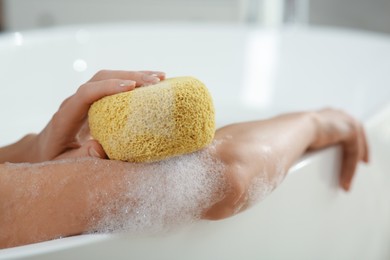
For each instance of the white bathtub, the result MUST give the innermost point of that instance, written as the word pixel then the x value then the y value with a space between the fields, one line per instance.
pixel 252 74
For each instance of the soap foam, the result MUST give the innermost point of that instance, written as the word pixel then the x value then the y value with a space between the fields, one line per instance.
pixel 165 195
pixel 175 192
pixel 268 179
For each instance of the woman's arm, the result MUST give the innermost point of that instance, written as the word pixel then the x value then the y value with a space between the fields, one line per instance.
pixel 54 199
pixel 44 201
pixel 48 200
pixel 20 151
pixel 263 151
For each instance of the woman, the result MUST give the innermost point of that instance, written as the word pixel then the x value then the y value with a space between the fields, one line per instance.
pixel 66 195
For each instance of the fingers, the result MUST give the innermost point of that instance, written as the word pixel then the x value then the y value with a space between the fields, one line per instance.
pixel 349 163
pixel 72 113
pixel 74 110
pixel 159 74
pixel 64 128
pixel 66 123
pixel 337 127
pixel 93 91
pixel 90 148
pixel 104 83
pixel 366 152
pixel 141 78
pixel 84 133
pixel 355 149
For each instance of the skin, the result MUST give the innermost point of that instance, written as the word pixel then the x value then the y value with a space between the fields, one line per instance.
pixel 39 202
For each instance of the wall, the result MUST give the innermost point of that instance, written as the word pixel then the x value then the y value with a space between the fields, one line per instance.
pixel 22 15
pixel 371 15
pixel 356 14
pixel 1 16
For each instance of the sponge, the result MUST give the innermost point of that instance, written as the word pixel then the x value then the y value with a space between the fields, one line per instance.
pixel 151 123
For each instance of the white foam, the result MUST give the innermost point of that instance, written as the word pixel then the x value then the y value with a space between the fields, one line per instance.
pixel 268 179
pixel 165 195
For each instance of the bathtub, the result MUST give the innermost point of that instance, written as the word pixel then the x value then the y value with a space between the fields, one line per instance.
pixel 252 73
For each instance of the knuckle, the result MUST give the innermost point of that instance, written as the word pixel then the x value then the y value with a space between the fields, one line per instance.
pixel 56 120
pixel 112 83
pixel 83 90
pixel 101 73
pixel 65 102
pixel 133 75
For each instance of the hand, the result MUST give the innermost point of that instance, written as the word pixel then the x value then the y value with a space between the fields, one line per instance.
pixel 67 134
pixel 337 127
pixel 258 150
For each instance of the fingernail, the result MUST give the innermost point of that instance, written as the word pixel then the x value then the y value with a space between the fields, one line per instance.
pixel 346 186
pixel 127 84
pixel 151 78
pixel 93 153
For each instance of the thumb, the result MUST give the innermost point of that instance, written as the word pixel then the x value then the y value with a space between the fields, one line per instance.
pixel 90 148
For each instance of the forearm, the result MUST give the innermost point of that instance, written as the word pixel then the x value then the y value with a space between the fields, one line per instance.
pixel 284 137
pixel 61 198
pixel 42 201
pixel 20 151
pixel 257 156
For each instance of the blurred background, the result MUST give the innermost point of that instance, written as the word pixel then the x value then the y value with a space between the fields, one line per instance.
pixel 373 15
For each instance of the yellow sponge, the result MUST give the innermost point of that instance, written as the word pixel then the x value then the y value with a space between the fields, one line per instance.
pixel 173 117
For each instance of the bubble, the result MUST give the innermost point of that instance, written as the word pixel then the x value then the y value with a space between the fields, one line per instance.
pixel 165 195
pixel 267 179
pixel 259 189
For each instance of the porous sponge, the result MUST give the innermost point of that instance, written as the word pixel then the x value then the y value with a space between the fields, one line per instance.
pixel 173 117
